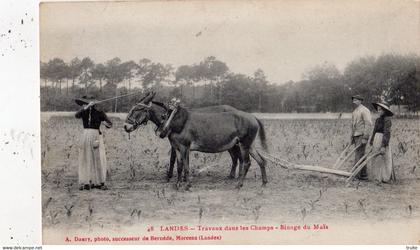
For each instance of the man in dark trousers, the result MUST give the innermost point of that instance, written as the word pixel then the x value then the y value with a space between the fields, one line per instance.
pixel 360 130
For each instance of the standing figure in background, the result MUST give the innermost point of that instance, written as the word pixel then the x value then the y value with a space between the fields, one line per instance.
pixel 92 158
pixel 361 126
pixel 382 165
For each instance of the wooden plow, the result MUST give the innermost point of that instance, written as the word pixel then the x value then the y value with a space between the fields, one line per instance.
pixel 344 156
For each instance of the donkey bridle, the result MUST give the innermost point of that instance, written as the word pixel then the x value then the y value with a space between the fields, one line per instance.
pixel 134 121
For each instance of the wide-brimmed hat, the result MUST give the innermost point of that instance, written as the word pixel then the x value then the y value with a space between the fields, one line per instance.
pixel 358 97
pixel 383 105
pixel 84 100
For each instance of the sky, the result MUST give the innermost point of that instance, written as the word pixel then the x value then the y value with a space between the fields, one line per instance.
pixel 283 38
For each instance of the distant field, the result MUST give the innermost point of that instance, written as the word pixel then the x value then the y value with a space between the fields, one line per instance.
pixel 137 169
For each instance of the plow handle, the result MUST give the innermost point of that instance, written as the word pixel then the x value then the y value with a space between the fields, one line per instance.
pixel 347 157
pixel 362 163
pixel 341 155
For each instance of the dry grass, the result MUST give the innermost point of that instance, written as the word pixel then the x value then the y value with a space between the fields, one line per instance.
pixel 140 195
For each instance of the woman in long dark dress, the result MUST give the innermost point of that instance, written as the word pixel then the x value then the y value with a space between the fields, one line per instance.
pixel 92 158
pixel 382 165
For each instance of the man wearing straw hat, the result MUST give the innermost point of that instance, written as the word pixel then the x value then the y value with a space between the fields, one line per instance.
pixel 92 159
pixel 361 126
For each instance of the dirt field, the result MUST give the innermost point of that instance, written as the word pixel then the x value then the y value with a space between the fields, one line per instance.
pixel 139 194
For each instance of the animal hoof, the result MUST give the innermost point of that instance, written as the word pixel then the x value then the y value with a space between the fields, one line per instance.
pixel 231 177
pixel 239 186
pixel 177 185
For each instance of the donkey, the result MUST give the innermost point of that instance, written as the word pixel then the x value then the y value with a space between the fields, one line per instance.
pixel 212 133
pixel 156 112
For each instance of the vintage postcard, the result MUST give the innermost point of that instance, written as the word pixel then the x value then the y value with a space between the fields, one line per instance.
pixel 230 122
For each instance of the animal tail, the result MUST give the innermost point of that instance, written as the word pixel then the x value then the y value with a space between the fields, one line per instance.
pixel 261 133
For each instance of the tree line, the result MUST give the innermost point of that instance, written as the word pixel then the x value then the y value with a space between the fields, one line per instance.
pixel 323 88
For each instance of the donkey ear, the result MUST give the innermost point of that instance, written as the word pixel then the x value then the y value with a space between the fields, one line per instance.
pixel 143 98
pixel 149 97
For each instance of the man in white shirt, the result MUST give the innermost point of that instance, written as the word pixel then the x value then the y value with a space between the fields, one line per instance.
pixel 360 130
